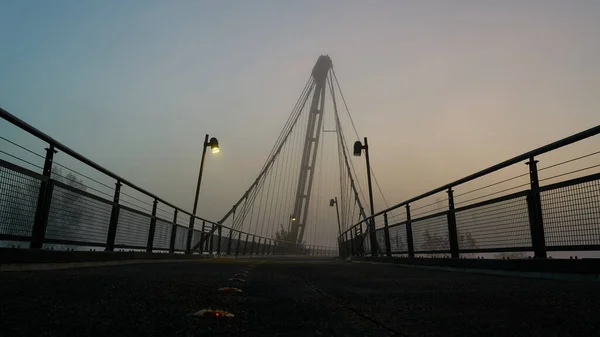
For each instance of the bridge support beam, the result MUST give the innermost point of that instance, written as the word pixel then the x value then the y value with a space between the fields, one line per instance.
pixel 245 244
pixel 386 233
pixel 38 232
pixel 114 219
pixel 409 233
pixel 452 230
pixel 311 146
pixel 237 245
pixel 220 230
pixel 534 205
pixel 211 238
pixel 152 228
pixel 229 238
pixel 173 233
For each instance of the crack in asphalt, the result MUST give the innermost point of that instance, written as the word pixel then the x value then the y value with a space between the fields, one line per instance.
pixel 358 313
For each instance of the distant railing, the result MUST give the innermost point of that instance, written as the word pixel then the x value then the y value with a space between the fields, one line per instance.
pixel 48 210
pixel 562 216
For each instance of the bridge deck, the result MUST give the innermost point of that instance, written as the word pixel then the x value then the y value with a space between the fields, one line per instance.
pixel 292 297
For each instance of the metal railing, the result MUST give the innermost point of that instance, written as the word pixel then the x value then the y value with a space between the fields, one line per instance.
pixel 563 216
pixel 48 210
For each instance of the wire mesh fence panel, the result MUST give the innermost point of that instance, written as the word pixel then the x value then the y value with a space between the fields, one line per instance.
pixel 75 216
pixel 234 243
pixel 503 224
pixel 431 234
pixel 18 201
pixel 196 237
pixel 257 248
pixel 571 214
pixel 380 235
pixel 225 240
pixel 366 243
pixel 162 234
pixel 215 238
pixel 132 228
pixel 181 238
pixel 398 242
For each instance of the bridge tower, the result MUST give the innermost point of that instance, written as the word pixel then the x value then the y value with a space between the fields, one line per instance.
pixel 311 145
pixel 269 212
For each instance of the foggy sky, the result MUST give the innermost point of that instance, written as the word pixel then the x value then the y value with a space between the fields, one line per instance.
pixel 441 88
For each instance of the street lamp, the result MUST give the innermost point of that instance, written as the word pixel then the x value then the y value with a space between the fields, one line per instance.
pixel 292 219
pixel 333 202
pixel 358 147
pixel 213 143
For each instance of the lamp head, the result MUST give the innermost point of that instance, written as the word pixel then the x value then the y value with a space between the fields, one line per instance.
pixel 214 145
pixel 357 148
pixel 331 202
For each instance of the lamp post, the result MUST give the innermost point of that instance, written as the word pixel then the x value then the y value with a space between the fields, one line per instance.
pixel 214 147
pixel 358 147
pixel 292 219
pixel 337 210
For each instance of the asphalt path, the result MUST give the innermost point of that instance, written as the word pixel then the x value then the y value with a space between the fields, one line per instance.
pixel 291 297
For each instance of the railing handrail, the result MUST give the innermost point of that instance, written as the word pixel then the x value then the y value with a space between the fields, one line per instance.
pixel 536 152
pixel 58 145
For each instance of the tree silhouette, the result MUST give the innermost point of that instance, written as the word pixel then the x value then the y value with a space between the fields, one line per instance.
pixel 434 242
pixel 64 220
pixel 18 204
pixel 397 243
pixel 284 240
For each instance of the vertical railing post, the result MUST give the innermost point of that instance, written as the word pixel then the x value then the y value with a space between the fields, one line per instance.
pixel 252 246
pixel 229 238
pixel 347 245
pixel 204 237
pixel 386 232
pixel 152 228
pixel 534 205
pixel 409 233
pixel 38 232
pixel 237 245
pixel 452 230
pixel 352 242
pixel 264 247
pixel 361 241
pixel 173 233
pixel 245 243
pixel 114 219
pixel 188 245
pixel 270 252
pixel 212 238
pixel 219 241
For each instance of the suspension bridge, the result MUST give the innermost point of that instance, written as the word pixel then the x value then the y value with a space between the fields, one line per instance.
pixel 285 244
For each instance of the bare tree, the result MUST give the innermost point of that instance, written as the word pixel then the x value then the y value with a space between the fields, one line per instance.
pixel 67 208
pixel 435 242
pixel 283 239
pixel 18 204
pixel 398 243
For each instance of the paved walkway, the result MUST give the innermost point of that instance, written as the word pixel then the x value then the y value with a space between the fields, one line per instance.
pixel 291 297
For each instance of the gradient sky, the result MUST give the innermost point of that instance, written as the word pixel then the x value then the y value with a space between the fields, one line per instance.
pixel 441 88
